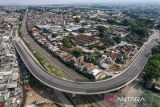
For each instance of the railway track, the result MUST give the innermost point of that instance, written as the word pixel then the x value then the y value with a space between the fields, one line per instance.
pixel 92 100
pixel 70 73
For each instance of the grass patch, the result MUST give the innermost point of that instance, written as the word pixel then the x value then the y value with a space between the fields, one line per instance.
pixel 9 100
pixel 151 100
pixel 157 83
pixel 45 63
pixel 48 66
pixel 40 58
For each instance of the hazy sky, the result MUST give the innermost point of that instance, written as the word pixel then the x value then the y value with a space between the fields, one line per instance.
pixel 73 1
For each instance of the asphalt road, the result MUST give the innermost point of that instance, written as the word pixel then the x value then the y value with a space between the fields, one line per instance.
pixel 88 87
pixel 69 72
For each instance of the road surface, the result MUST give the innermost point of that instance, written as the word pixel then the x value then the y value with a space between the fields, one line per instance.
pixel 69 72
pixel 88 87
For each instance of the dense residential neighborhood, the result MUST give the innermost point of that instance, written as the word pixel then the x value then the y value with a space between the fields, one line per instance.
pixel 11 93
pixel 79 55
pixel 81 43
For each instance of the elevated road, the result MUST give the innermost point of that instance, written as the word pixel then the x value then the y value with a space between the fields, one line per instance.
pixel 88 87
pixel 67 71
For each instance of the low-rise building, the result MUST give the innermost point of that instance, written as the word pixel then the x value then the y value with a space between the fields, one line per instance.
pixel 84 39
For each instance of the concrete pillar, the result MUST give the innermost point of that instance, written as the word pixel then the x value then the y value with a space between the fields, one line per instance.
pixel 73 95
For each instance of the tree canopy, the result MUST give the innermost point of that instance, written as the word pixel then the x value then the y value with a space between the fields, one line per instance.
pixel 77 52
pixel 125 22
pixel 92 57
pixel 21 17
pixel 117 39
pixel 82 30
pixel 67 42
pixel 139 32
pixel 102 31
pixel 152 69
pixel 77 19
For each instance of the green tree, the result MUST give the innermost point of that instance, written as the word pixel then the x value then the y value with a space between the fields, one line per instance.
pixel 117 39
pixel 98 46
pixel 77 19
pixel 82 30
pixel 149 23
pixel 92 58
pixel 67 42
pixel 156 50
pixel 77 52
pixel 21 18
pixel 125 22
pixel 158 26
pixel 112 21
pixel 152 69
pixel 102 31
pixel 139 32
pixel 97 54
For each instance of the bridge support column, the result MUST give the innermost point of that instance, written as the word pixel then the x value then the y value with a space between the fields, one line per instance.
pixel 73 95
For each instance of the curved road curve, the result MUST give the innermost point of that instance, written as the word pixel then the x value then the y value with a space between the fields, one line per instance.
pixel 88 87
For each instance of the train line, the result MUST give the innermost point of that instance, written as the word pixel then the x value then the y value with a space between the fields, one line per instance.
pixel 70 73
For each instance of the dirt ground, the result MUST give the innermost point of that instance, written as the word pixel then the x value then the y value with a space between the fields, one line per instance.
pixel 33 96
pixel 128 90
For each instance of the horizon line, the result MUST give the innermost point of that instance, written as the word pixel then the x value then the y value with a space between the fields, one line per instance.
pixel 42 4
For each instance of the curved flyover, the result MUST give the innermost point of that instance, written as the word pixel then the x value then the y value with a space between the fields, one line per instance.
pixel 86 87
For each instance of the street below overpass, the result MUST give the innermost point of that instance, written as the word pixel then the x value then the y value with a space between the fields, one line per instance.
pixel 89 87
